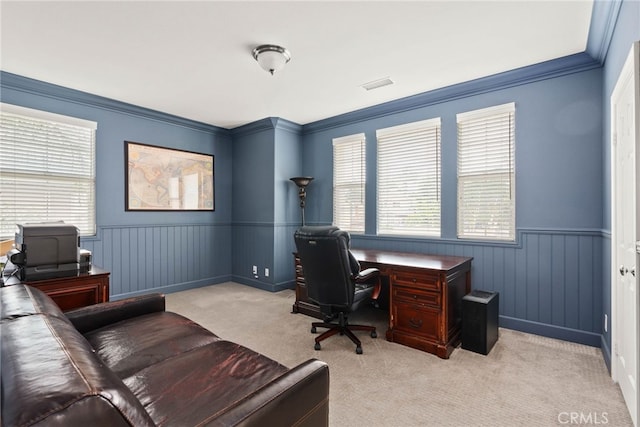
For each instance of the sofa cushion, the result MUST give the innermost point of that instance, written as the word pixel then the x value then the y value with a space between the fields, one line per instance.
pixel 196 386
pixel 50 376
pixel 133 344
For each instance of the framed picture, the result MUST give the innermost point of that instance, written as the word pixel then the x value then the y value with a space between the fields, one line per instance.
pixel 166 179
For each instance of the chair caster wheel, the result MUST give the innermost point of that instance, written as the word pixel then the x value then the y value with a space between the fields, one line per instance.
pixel 317 346
pixel 374 334
pixel 313 330
pixel 358 350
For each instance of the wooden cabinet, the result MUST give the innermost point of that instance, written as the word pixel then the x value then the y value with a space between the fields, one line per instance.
pixel 74 291
pixel 426 309
pixel 425 297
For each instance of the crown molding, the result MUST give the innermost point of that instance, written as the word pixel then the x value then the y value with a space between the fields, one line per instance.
pixel 288 126
pixel 545 70
pixel 49 90
pixel 604 16
pixel 268 123
pixel 254 127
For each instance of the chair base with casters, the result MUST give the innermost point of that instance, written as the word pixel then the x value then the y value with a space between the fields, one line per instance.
pixel 343 328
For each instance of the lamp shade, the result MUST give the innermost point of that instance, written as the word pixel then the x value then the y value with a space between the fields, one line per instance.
pixel 271 58
pixel 302 181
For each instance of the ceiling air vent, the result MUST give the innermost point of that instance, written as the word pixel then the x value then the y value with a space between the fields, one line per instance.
pixel 378 83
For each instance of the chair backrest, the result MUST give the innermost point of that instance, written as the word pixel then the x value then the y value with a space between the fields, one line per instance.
pixel 328 265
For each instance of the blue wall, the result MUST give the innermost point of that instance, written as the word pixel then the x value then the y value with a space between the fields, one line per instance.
pixel 558 150
pixel 550 279
pixel 253 203
pixel 266 154
pixel 144 250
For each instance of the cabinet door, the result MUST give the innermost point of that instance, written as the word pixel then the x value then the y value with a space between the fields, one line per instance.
pixel 416 320
pixel 80 296
pixel 77 291
pixel 302 303
pixel 301 286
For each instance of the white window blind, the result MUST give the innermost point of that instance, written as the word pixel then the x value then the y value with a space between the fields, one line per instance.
pixel 349 178
pixel 486 173
pixel 47 172
pixel 409 179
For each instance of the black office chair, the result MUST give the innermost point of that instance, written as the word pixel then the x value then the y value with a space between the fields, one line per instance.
pixel 334 280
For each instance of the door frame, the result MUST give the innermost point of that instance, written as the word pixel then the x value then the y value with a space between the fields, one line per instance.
pixel 632 62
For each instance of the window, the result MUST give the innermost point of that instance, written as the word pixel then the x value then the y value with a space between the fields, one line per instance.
pixel 409 179
pixel 47 172
pixel 486 173
pixel 349 182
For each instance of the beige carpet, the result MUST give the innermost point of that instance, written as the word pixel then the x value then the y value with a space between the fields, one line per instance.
pixel 526 380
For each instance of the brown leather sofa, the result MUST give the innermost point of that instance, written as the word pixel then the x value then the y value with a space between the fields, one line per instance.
pixel 131 363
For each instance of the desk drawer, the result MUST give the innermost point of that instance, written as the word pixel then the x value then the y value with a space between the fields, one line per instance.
pixel 416 296
pixel 416 320
pixel 411 279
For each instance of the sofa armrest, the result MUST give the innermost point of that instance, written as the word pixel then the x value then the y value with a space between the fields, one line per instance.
pixel 299 397
pixel 95 316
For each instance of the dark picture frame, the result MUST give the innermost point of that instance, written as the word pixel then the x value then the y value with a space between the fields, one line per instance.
pixel 167 179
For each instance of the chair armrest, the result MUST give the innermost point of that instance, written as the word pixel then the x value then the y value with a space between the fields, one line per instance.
pixel 299 397
pixel 368 275
pixel 95 316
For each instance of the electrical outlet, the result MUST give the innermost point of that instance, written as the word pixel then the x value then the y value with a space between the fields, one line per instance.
pixel 266 272
pixel 606 323
pixel 255 270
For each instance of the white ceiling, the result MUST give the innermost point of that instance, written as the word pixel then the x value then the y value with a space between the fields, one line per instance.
pixel 193 59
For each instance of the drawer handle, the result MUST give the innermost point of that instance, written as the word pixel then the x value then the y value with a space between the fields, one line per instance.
pixel 415 323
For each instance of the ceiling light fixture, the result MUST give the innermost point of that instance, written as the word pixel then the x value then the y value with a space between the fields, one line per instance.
pixel 271 58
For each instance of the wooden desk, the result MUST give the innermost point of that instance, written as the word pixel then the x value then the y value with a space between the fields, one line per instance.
pixel 425 297
pixel 74 291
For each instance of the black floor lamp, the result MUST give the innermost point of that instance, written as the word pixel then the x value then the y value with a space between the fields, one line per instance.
pixel 302 182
